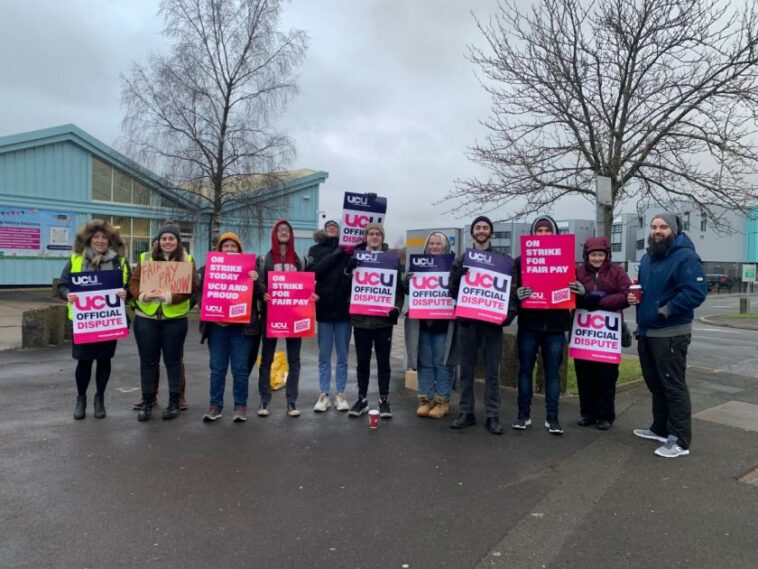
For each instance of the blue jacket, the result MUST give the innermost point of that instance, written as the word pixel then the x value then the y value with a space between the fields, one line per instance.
pixel 673 285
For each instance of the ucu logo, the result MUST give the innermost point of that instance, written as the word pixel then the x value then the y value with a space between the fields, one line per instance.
pixel 212 308
pixel 367 256
pixel 483 280
pixel 422 262
pixel 356 199
pixel 481 257
pixel 279 325
pixel 84 279
pixel 97 302
pixel 371 278
pixel 598 322
pixel 359 220
pixel 430 282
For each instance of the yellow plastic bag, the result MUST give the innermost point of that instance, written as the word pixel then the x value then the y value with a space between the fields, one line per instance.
pixel 279 371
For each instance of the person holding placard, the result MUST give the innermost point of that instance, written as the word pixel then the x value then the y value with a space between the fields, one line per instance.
pixel 160 326
pixel 430 347
pixel 479 335
pixel 229 346
pixel 604 286
pixel 374 333
pixel 98 247
pixel 328 261
pixel 281 257
pixel 540 330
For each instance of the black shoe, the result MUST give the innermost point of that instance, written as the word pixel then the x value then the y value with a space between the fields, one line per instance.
pixel 603 425
pixel 493 425
pixel 585 421
pixel 145 412
pixel 172 411
pixel 385 412
pixel 99 406
pixel 80 410
pixel 521 423
pixel 463 420
pixel 359 408
pixel 553 426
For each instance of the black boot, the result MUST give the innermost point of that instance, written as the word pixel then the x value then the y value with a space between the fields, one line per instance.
pixel 172 411
pixel 80 410
pixel 99 406
pixel 146 411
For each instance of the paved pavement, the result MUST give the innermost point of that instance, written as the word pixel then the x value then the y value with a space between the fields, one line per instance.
pixel 325 491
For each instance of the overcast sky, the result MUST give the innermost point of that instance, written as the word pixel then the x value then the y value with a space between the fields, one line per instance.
pixel 388 101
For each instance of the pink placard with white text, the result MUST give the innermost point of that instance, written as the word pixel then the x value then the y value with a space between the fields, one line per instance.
pixel 547 267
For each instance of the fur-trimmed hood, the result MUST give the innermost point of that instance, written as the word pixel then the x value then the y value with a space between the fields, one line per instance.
pixel 86 231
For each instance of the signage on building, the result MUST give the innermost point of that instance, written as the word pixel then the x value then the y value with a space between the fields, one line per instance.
pixel 35 232
pixel 748 273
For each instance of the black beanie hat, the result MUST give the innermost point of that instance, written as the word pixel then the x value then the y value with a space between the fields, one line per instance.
pixel 486 220
pixel 170 228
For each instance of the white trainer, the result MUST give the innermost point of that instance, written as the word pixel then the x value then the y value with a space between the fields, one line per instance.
pixel 322 404
pixel 650 435
pixel 341 403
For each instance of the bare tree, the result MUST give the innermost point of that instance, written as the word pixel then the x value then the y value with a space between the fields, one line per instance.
pixel 203 114
pixel 657 95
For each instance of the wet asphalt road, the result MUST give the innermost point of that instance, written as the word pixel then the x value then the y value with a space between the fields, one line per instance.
pixel 324 491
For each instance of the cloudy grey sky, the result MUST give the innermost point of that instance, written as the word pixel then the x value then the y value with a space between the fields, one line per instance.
pixel 388 102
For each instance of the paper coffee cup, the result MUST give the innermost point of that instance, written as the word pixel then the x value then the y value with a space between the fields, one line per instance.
pixel 373 419
pixel 636 290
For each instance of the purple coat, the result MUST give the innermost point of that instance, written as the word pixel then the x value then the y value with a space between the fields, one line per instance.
pixel 606 287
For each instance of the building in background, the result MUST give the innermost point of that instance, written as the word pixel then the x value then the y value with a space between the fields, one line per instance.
pixel 54 180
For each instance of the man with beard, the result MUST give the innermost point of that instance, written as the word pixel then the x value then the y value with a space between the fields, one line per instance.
pixel 673 285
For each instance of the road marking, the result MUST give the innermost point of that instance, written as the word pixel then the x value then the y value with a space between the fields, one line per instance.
pixel 721 330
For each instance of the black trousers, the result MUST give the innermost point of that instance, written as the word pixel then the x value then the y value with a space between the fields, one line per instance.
pixel 472 338
pixel 83 375
pixel 597 389
pixel 664 363
pixel 268 351
pixel 253 357
pixel 380 339
pixel 154 337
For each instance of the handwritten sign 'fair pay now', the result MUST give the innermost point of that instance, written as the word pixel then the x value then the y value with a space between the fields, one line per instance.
pixel 166 276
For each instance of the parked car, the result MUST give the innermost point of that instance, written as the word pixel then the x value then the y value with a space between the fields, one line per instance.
pixel 717 281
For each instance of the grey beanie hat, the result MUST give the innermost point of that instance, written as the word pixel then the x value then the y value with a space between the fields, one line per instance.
pixel 671 219
pixel 169 228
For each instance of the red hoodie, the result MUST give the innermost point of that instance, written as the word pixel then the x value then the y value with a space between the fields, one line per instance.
pixel 289 258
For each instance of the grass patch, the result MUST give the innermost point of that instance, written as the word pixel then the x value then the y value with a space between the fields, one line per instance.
pixel 747 315
pixel 629 370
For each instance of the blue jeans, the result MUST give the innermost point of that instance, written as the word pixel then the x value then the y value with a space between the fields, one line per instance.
pixel 433 374
pixel 229 344
pixel 552 355
pixel 333 335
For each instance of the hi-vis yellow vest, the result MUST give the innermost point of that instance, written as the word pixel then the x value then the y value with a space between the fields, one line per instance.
pixel 169 310
pixel 76 267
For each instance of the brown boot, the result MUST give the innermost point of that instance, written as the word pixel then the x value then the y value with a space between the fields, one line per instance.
pixel 424 407
pixel 440 409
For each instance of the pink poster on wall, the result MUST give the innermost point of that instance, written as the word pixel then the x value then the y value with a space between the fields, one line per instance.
pixel 227 288
pixel 596 336
pixel 547 267
pixel 291 311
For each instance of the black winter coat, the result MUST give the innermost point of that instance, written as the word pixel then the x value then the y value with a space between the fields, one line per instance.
pixel 329 262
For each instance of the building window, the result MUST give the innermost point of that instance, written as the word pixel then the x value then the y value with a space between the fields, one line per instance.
pixel 686 221
pixel 640 244
pixel 616 228
pixel 616 247
pixel 112 185
pixel 703 224
pixel 505 250
pixel 563 231
pixel 135 232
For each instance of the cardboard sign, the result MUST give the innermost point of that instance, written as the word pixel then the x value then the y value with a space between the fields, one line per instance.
pixel 227 288
pixel 547 267
pixel 99 314
pixel 486 287
pixel 358 211
pixel 166 276
pixel 428 296
pixel 291 311
pixel 374 283
pixel 596 336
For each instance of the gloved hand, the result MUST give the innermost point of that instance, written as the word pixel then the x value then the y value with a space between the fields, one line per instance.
pixel 523 292
pixel 577 288
pixel 465 270
pixel 371 196
pixel 351 264
pixel 393 315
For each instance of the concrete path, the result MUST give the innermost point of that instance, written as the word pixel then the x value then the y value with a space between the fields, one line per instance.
pixel 13 304
pixel 323 491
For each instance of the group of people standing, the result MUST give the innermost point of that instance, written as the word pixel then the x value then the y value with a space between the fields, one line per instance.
pixel 671 277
